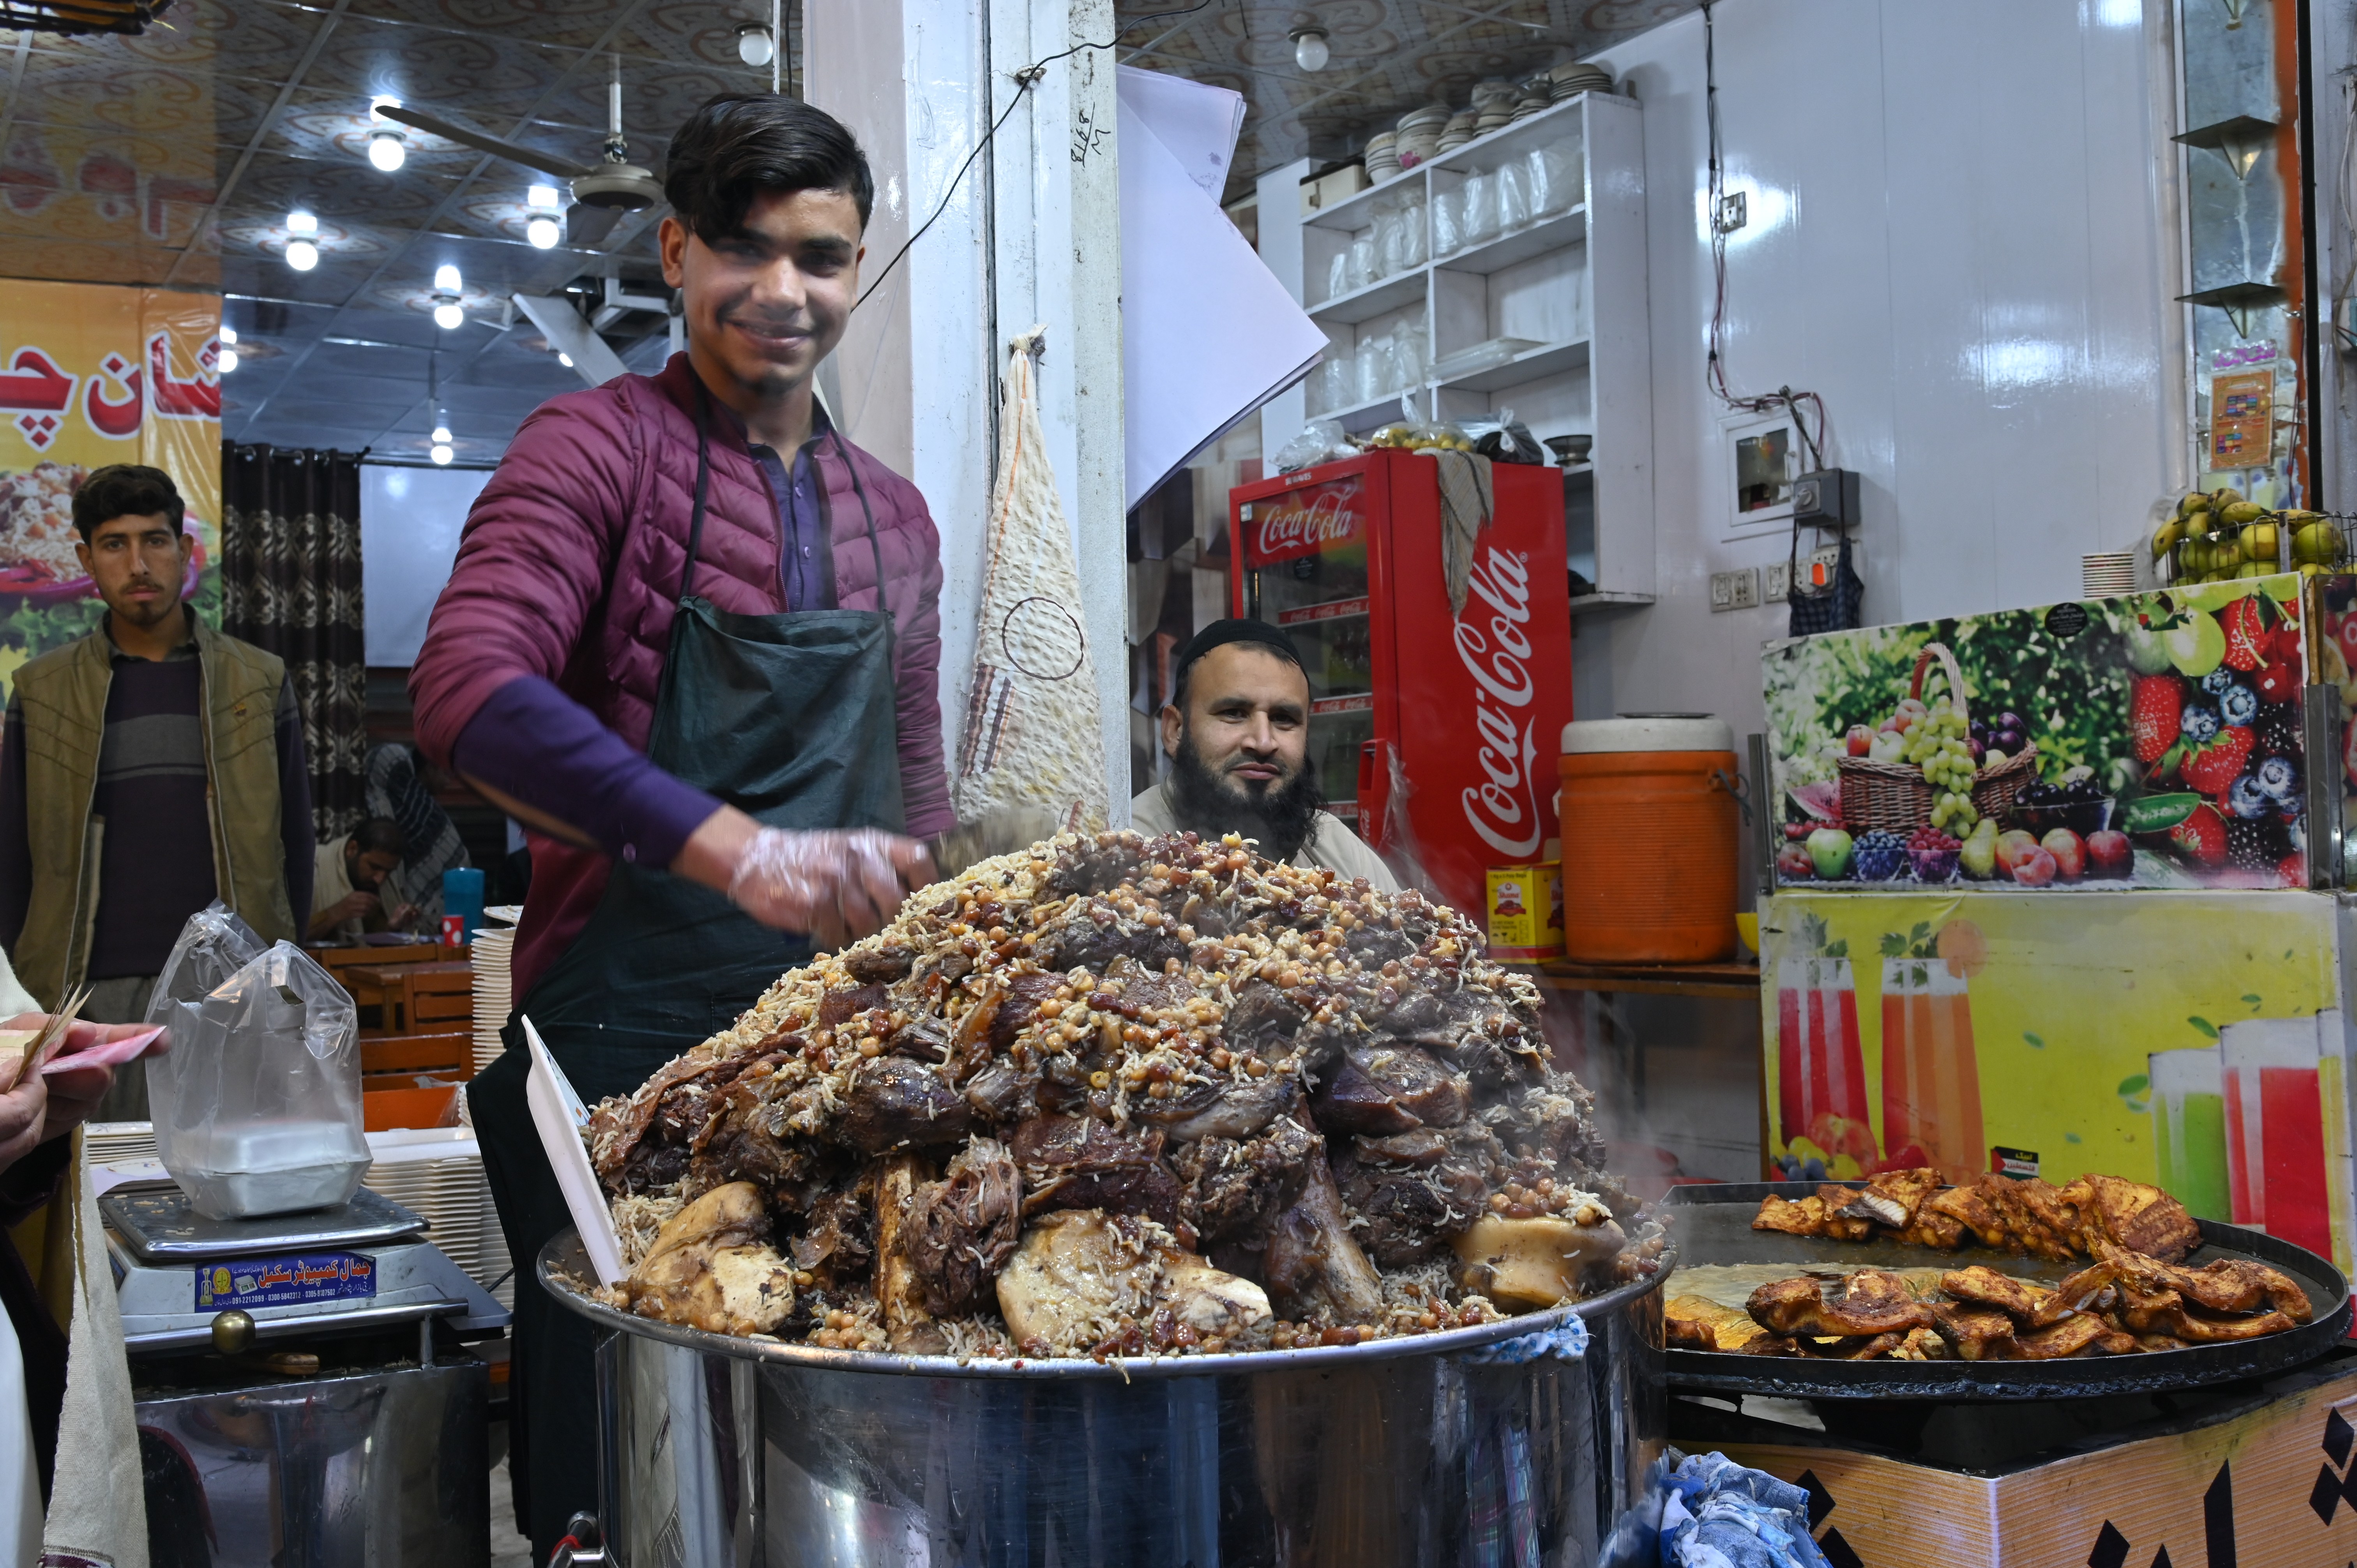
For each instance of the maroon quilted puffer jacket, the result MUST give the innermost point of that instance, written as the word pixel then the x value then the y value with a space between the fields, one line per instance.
pixel 569 569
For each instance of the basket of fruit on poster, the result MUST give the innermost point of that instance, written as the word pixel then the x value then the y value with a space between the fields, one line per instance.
pixel 2150 740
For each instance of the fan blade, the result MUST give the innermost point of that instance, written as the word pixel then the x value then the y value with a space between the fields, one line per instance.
pixel 586 225
pixel 481 141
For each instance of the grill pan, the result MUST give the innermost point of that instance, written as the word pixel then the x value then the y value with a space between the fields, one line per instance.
pixel 1713 1225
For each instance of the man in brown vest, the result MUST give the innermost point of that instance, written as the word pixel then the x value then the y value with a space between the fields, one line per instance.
pixel 145 770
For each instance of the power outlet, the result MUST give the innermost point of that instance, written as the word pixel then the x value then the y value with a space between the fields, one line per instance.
pixel 1818 566
pixel 1737 590
pixel 1778 583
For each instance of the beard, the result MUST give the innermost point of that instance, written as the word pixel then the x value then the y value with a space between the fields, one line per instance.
pixel 1281 816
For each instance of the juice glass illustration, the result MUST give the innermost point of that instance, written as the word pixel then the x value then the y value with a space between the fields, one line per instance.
pixel 1930 1077
pixel 2188 1128
pixel 1820 1066
pixel 2276 1176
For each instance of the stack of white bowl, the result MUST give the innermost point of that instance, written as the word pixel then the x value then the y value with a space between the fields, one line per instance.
pixel 1418 138
pixel 1579 76
pixel 1382 156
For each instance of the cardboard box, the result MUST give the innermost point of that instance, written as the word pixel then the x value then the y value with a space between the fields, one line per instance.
pixel 2178 714
pixel 1336 186
pixel 2270 1482
pixel 2036 1036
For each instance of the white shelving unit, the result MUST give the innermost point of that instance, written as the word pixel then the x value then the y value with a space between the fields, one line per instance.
pixel 1569 288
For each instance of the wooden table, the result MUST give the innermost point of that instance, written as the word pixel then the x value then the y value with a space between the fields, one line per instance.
pixel 417 996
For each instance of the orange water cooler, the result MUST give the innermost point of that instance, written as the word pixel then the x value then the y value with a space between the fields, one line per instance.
pixel 1649 839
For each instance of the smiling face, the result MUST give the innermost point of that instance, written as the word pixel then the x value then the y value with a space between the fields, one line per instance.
pixel 766 304
pixel 138 564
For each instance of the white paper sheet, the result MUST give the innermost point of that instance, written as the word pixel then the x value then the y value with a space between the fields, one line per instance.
pixel 1196 124
pixel 1208 333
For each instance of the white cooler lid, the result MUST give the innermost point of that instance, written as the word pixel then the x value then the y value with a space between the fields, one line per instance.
pixel 1649 732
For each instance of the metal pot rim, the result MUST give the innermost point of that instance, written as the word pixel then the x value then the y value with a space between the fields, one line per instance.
pixel 564 1257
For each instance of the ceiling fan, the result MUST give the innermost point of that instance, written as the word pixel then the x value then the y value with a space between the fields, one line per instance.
pixel 602 193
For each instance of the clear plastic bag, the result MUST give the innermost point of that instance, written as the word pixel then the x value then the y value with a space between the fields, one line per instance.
pixel 1481 208
pixel 1554 178
pixel 1412 233
pixel 1320 441
pixel 1377 374
pixel 1338 383
pixel 1410 361
pixel 1362 259
pixel 1448 223
pixel 257 1105
pixel 1502 438
pixel 1513 198
pixel 1390 241
pixel 1338 275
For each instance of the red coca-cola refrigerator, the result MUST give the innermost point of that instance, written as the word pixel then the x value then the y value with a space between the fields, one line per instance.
pixel 1434 732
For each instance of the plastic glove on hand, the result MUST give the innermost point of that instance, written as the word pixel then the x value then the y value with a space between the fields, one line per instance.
pixel 836 886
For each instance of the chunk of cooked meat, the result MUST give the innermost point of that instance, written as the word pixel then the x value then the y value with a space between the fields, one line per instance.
pixel 1974 1333
pixel 1233 1188
pixel 838 1239
pixel 2222 1285
pixel 710 1267
pixel 899 1278
pixel 1076 1274
pixel 1385 1090
pixel 1310 1261
pixel 962 1229
pixel 1840 1222
pixel 2022 1300
pixel 1857 1347
pixel 1080 1162
pixel 1688 1334
pixel 1871 1301
pixel 1228 1109
pixel 1208 1301
pixel 1929 1228
pixel 2182 1322
pixel 1793 1217
pixel 1691 1318
pixel 1905 1188
pixel 2137 1216
pixel 1541 1262
pixel 2074 1336
pixel 895 1102
pixel 1922 1345
pixel 1967 1211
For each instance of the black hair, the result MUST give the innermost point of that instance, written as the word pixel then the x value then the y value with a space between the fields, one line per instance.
pixel 125 489
pixel 739 144
pixel 378 835
pixel 1219 634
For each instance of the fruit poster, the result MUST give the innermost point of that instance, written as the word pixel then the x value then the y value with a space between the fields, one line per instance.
pixel 92 375
pixel 2192 1039
pixel 2152 740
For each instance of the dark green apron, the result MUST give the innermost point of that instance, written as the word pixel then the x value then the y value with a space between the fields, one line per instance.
pixel 791 719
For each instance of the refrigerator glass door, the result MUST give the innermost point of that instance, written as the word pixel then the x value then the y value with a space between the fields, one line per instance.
pixel 1305 569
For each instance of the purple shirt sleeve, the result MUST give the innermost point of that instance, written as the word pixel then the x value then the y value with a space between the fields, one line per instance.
pixel 532 742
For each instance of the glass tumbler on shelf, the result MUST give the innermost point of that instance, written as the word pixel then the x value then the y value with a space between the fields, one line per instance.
pixel 1448 223
pixel 1480 196
pixel 1513 197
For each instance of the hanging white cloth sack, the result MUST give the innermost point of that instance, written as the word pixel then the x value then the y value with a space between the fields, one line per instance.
pixel 98 1434
pixel 1031 736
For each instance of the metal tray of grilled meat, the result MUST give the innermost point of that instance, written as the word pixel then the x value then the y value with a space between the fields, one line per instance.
pixel 1713 1225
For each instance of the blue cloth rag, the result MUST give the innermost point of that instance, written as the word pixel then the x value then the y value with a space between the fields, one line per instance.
pixel 1718 1514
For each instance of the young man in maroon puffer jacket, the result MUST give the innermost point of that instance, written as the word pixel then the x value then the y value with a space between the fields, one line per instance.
pixel 539 677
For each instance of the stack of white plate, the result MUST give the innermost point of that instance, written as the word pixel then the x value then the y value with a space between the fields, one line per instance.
pixel 118 1142
pixel 494 946
pixel 438 1174
pixel 2107 575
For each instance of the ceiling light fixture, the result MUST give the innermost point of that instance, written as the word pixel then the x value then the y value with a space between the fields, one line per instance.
pixel 386 149
pixel 447 312
pixel 225 357
pixel 1309 50
pixel 754 44
pixel 302 254
pixel 565 358
pixel 542 202
pixel 441 454
pixel 442 435
pixel 544 233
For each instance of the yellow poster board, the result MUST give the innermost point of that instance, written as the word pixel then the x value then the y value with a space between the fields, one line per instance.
pixel 92 375
pixel 2195 1039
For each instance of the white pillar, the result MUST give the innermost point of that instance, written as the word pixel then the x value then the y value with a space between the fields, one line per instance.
pixel 1031 235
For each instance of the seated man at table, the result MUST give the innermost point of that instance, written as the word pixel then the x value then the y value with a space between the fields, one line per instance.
pixel 345 884
pixel 1237 732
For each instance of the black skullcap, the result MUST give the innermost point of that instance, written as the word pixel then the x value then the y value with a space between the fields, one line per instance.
pixel 1221 632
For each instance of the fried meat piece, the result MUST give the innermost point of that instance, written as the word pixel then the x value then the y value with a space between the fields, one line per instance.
pixel 1974 1333
pixel 1860 1348
pixel 1933 1229
pixel 1771 1345
pixel 2222 1286
pixel 1967 1208
pixel 1800 1217
pixel 2031 1217
pixel 710 1267
pixel 2073 1335
pixel 2021 1300
pixel 1907 1189
pixel 1922 1345
pixel 1687 1333
pixel 1871 1301
pixel 2181 1322
pixel 1727 1329
pixel 2133 1215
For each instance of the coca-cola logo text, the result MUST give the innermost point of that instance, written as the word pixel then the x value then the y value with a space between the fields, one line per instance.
pixel 1299 530
pixel 1505 811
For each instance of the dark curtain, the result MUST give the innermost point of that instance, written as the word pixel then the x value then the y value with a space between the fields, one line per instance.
pixel 291 583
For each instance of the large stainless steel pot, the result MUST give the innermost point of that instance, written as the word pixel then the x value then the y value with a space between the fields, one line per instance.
pixel 725 1451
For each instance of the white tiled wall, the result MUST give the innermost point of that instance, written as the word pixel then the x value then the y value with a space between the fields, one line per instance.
pixel 1961 237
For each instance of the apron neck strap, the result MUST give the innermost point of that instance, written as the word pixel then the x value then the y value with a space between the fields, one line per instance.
pixel 703 485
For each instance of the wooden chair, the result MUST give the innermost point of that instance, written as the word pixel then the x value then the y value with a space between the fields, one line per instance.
pixel 415 995
pixel 446 1054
